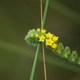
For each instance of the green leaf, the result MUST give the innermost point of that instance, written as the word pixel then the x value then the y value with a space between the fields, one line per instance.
pixel 74 56
pixel 60 48
pixel 67 52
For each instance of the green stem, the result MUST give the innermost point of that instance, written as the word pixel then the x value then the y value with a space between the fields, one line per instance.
pixel 45 13
pixel 37 50
pixel 34 63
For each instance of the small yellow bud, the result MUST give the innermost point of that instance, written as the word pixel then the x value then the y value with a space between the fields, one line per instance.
pixel 31 35
pixel 43 31
pixel 36 35
pixel 54 46
pixel 38 29
pixel 33 29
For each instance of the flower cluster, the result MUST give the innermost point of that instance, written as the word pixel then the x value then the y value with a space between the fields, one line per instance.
pixel 38 35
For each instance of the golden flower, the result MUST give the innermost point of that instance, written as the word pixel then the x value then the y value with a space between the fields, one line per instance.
pixel 49 42
pixel 55 38
pixel 54 46
pixel 49 35
pixel 43 31
pixel 41 38
pixel 38 29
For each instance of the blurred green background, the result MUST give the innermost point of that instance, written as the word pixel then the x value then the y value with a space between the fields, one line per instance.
pixel 16 56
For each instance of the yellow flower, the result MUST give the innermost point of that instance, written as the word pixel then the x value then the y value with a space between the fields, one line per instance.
pixel 49 42
pixel 49 35
pixel 41 38
pixel 38 29
pixel 55 38
pixel 37 35
pixel 54 46
pixel 43 31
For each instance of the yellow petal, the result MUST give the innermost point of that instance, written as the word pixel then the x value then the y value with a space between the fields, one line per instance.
pixel 49 42
pixel 54 46
pixel 43 31
pixel 49 35
pixel 41 38
pixel 55 38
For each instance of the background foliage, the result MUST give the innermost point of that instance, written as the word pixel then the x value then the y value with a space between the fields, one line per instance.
pixel 16 57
